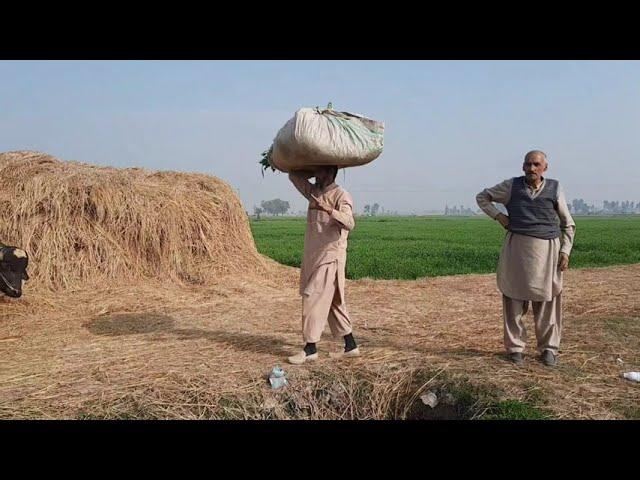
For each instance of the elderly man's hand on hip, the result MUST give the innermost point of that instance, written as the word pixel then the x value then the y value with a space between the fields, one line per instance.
pixel 563 262
pixel 503 219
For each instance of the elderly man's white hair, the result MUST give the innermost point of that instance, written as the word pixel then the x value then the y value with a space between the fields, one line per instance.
pixel 536 152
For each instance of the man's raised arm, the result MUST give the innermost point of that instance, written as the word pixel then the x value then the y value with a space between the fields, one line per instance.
pixel 300 180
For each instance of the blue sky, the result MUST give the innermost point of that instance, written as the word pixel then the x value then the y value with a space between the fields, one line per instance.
pixel 452 127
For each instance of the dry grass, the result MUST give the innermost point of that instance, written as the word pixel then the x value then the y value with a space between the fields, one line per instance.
pixel 81 222
pixel 124 339
pixel 151 350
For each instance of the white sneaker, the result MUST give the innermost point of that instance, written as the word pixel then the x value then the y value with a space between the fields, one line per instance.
pixel 300 358
pixel 342 354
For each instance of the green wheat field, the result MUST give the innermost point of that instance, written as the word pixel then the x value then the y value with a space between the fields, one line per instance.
pixel 414 247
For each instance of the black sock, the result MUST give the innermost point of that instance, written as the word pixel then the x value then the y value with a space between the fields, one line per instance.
pixel 310 349
pixel 349 342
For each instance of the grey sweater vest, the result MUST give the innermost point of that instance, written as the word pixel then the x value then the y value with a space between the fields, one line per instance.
pixel 535 217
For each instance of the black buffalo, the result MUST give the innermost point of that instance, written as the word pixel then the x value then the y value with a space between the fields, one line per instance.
pixel 13 270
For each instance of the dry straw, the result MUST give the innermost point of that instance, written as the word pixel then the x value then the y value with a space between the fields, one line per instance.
pixel 82 223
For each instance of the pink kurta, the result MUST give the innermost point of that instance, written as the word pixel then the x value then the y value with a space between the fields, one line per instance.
pixel 325 240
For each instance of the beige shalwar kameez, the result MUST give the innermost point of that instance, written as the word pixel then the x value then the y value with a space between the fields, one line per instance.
pixel 322 273
pixel 528 272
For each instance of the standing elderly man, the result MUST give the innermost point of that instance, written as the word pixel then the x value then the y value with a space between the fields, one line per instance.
pixel 535 252
pixel 322 274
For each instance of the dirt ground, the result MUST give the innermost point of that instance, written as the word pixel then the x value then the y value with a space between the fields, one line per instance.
pixel 155 350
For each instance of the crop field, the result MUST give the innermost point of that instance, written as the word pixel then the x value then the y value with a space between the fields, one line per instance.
pixel 415 247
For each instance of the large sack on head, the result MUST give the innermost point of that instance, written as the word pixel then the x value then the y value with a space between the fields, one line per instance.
pixel 315 137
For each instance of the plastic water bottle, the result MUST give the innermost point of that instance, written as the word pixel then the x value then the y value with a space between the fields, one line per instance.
pixel 633 376
pixel 277 377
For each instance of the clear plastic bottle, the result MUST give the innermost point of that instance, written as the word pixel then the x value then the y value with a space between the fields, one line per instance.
pixel 277 377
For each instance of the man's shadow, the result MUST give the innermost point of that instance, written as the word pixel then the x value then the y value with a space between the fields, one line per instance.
pixel 130 324
pixel 247 342
pixel 146 323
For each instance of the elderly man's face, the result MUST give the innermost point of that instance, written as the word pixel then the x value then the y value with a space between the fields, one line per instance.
pixel 533 167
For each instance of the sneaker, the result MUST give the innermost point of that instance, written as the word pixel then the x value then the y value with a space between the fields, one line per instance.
pixel 342 354
pixel 549 358
pixel 517 358
pixel 302 357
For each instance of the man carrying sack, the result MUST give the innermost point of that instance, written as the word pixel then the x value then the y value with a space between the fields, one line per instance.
pixel 322 274
pixel 534 254
pixel 316 143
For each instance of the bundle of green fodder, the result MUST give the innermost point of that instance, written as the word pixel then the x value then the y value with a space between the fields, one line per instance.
pixel 82 223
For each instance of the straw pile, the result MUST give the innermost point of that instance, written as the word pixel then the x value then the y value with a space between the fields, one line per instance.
pixel 82 223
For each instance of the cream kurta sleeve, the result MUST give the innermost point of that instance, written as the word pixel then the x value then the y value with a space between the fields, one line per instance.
pixel 344 213
pixel 500 193
pixel 567 225
pixel 304 186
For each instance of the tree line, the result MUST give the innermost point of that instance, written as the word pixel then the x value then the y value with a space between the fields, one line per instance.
pixel 579 207
pixel 272 207
pixel 277 207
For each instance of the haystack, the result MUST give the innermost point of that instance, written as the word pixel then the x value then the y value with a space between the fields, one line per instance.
pixel 83 223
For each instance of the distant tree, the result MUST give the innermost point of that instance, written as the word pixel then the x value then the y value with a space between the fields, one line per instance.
pixel 284 207
pixel 268 207
pixel 367 209
pixel 375 209
pixel 581 208
pixel 257 211
pixel 275 206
